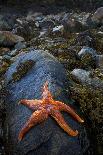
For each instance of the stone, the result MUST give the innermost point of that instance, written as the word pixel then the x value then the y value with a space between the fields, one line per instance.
pixel 87 56
pixel 72 25
pixel 4 24
pixel 4 50
pixel 43 138
pixel 26 29
pixel 87 50
pixel 81 75
pixel 8 39
pixel 7 58
pixel 46 24
pixel 88 78
pixel 98 15
pixel 20 45
pixel 14 52
pixel 99 61
pixel 85 39
pixel 59 28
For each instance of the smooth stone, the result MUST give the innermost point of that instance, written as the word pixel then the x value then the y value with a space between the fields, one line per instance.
pixel 87 50
pixel 7 38
pixel 20 45
pixel 86 78
pixel 45 138
pixel 98 15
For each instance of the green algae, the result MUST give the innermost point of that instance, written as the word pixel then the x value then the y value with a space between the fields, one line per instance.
pixel 91 102
pixel 22 69
pixel 96 73
pixel 87 61
pixel 98 40
pixel 4 68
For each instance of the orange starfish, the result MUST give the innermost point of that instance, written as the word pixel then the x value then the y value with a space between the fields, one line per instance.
pixel 45 107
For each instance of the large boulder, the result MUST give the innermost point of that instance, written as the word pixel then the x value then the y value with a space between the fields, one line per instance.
pixel 24 79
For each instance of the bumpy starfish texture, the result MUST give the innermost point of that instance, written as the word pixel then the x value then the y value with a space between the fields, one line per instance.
pixel 45 107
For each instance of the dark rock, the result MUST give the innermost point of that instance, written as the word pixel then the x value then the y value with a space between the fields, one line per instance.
pixel 99 61
pixel 46 24
pixel 85 39
pixel 4 50
pixel 26 29
pixel 43 138
pixel 72 25
pixel 83 5
pixel 6 22
pixel 87 56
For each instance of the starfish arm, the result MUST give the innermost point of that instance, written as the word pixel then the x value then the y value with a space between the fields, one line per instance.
pixel 45 91
pixel 64 107
pixel 37 117
pixel 32 104
pixel 60 120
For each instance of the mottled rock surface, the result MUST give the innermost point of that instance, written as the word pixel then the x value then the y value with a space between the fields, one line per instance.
pixel 48 137
pixel 88 78
pixel 7 38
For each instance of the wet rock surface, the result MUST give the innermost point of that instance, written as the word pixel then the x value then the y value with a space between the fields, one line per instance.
pixel 47 137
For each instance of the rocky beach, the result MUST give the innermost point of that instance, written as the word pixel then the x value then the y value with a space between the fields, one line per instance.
pixel 58 42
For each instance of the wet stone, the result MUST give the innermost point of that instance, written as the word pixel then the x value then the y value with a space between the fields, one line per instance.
pixel 47 137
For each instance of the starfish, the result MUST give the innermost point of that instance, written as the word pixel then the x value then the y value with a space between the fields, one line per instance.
pixel 43 108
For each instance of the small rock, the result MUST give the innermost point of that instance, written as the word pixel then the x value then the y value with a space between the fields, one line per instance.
pixel 26 29
pixel 58 29
pixel 73 26
pixel 4 50
pixel 7 38
pixel 46 24
pixel 85 39
pixel 20 45
pixel 84 18
pixel 87 50
pixel 7 59
pixel 98 15
pixel 14 52
pixel 81 75
pixel 88 57
pixel 1 60
pixel 99 61
pixel 37 16
pixel 87 78
pixel 4 24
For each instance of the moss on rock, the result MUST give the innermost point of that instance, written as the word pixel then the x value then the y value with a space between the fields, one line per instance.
pixel 98 40
pixel 22 69
pixel 91 101
pixel 4 68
